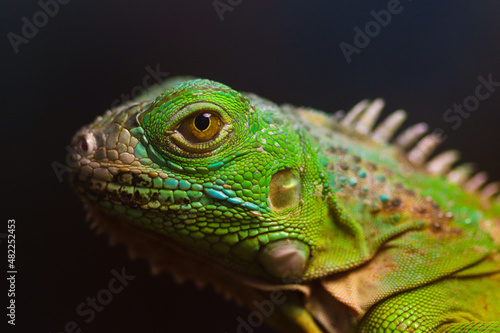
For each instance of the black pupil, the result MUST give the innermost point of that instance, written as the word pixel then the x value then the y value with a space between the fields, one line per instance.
pixel 202 121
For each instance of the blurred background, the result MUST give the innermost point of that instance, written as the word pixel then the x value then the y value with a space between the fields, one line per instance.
pixel 64 63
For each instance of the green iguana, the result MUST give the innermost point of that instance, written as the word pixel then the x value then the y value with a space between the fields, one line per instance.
pixel 312 218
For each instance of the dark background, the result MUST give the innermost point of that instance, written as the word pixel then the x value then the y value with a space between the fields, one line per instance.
pixel 91 52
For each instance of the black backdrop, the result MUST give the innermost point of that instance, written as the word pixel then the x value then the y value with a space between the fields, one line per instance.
pixel 88 54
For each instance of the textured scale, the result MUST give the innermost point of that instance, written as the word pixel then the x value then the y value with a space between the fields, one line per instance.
pixel 355 234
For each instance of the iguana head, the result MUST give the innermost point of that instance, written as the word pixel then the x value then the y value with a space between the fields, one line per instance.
pixel 217 172
pixel 230 189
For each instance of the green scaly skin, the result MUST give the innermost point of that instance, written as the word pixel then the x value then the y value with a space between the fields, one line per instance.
pixel 292 209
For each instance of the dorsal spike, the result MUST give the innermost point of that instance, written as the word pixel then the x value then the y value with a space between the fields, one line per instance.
pixel 353 114
pixel 132 253
pixel 411 135
pixel 155 268
pixel 473 184
pixel 337 116
pixel 384 132
pixel 112 240
pixel 227 295
pixel 490 190
pixel 179 279
pixel 88 218
pixel 442 163
pixel 200 284
pixel 217 288
pixel 461 173
pixel 370 116
pixel 424 148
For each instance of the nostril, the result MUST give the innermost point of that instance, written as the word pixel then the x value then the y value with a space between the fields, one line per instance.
pixel 86 144
pixel 83 145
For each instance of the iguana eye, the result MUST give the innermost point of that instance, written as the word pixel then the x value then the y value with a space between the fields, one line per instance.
pixel 202 130
pixel 194 125
pixel 201 127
